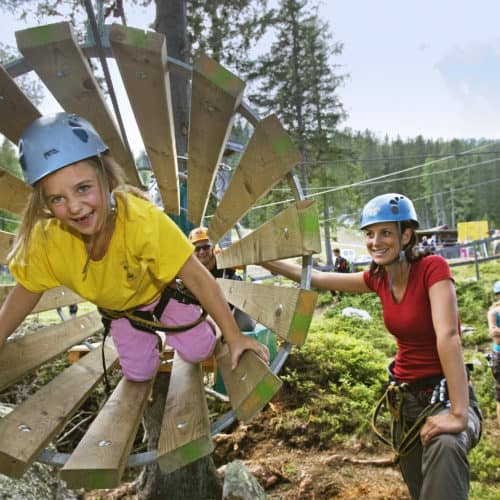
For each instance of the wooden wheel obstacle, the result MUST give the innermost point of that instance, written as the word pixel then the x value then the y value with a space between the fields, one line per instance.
pixel 100 458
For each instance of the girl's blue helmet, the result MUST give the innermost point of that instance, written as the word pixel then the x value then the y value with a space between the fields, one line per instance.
pixel 55 141
pixel 391 207
pixel 496 287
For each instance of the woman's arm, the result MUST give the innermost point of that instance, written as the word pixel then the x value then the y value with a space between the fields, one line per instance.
pixel 445 319
pixel 343 282
pixel 17 305
pixel 196 277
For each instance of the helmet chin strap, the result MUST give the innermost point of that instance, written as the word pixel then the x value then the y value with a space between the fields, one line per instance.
pixel 399 260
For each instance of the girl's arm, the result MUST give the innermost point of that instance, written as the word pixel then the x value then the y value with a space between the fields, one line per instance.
pixel 17 305
pixel 445 319
pixel 196 277
pixel 342 282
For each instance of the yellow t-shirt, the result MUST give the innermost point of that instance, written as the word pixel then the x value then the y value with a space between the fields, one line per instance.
pixel 146 251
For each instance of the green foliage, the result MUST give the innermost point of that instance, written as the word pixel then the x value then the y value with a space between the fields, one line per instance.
pixel 334 379
pixel 485 462
pixel 472 301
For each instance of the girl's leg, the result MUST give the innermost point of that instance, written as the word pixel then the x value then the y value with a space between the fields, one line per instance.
pixel 193 345
pixel 138 350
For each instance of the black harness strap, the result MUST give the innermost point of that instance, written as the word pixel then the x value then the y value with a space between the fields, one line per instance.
pixel 148 321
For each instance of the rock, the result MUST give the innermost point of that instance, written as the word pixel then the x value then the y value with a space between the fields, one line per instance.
pixel 39 482
pixel 360 313
pixel 239 484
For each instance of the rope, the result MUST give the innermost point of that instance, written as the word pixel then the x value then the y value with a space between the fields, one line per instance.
pixel 392 400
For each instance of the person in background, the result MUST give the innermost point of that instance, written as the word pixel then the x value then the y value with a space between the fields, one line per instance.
pixel 436 420
pixel 340 265
pixel 493 317
pixel 206 252
pixel 73 310
pixel 86 229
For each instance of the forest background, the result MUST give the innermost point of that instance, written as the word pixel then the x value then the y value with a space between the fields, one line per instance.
pixel 296 76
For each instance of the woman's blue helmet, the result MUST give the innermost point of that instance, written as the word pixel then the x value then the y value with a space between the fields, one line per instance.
pixel 54 141
pixel 391 207
pixel 496 287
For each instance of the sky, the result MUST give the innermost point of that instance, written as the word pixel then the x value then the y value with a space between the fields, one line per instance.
pixel 426 67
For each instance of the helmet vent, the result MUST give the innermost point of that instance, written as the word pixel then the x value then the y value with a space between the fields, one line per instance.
pixel 50 152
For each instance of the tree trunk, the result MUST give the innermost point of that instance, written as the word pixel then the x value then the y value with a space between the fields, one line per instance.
pixel 171 20
pixel 198 480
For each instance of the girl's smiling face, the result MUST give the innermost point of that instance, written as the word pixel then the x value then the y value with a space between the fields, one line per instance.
pixel 73 195
pixel 383 242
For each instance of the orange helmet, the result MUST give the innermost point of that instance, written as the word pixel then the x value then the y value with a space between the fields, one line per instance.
pixel 198 234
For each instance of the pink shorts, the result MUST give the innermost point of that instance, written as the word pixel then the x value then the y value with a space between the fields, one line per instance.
pixel 138 350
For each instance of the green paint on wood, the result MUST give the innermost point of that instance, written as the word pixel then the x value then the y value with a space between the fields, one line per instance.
pixel 41 35
pixel 100 479
pixel 299 327
pixel 309 222
pixel 222 78
pixel 136 37
pixel 192 451
pixel 282 147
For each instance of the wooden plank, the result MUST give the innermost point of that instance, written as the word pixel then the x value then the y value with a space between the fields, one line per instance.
pixel 285 310
pixel 141 57
pixel 51 299
pixel 101 456
pixel 292 233
pixel 6 241
pixel 216 94
pixel 16 110
pixel 14 192
pixel 250 386
pixel 185 430
pixel 23 354
pixel 57 297
pixel 53 52
pixel 32 425
pixel 269 156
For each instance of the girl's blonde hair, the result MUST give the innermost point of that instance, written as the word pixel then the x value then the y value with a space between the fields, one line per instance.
pixel 111 178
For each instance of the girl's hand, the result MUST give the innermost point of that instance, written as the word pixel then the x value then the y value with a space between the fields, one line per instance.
pixel 442 424
pixel 243 343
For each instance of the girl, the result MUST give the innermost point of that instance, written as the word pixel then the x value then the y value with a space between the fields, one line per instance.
pixel 84 228
pixel 420 310
pixel 493 317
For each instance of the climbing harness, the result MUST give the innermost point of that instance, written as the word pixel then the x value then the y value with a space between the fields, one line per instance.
pixel 404 434
pixel 149 321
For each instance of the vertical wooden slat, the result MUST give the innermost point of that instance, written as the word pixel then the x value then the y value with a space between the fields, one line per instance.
pixel 269 156
pixel 216 94
pixel 141 57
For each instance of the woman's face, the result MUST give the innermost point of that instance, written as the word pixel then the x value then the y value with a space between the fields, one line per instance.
pixel 383 242
pixel 73 195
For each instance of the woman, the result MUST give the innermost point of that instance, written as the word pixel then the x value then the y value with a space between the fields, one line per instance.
pixel 84 228
pixel 420 309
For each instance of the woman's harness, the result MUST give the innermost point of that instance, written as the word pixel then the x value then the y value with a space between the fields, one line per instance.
pixel 403 434
pixel 149 321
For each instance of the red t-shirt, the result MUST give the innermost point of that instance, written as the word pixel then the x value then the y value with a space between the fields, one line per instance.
pixel 410 321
